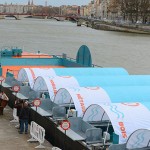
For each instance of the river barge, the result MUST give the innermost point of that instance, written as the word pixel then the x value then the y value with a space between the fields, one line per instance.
pixel 98 115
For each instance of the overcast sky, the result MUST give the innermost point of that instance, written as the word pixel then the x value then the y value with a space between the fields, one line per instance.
pixel 49 2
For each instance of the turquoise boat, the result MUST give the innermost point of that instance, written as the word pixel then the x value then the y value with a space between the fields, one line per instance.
pixel 13 59
pixel 33 72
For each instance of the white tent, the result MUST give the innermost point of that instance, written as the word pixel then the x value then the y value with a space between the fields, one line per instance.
pixel 82 97
pixel 125 117
pixel 53 84
pixel 30 74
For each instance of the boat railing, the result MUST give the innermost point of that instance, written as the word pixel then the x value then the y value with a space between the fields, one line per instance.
pixel 93 65
pixel 74 60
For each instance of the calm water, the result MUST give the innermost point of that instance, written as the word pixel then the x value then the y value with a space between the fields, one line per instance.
pixel 108 49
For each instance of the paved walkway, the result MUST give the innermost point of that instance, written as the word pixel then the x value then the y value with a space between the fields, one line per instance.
pixel 10 139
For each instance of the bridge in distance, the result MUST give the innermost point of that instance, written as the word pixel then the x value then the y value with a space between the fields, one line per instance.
pixel 78 19
pixel 19 16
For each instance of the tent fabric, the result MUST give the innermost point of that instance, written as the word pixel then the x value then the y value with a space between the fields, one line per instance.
pixel 134 80
pixel 125 118
pixel 146 104
pixel 30 74
pixel 128 93
pixel 89 71
pixel 139 139
pixel 53 84
pixel 82 97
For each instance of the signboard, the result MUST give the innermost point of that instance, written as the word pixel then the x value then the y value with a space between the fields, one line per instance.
pixel 16 88
pixel 65 125
pixel 37 102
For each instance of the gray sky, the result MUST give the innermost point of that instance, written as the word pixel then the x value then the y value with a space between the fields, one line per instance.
pixel 49 2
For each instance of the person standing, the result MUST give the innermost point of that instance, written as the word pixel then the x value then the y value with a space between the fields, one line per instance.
pixel 3 101
pixel 18 105
pixel 24 118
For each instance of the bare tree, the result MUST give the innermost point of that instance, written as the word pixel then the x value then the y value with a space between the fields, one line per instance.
pixel 145 10
pixel 131 9
pixel 114 6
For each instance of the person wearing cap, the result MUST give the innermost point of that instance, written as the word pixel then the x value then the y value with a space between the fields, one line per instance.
pixel 24 118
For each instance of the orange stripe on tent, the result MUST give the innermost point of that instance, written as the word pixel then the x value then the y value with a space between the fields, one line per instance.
pixel 53 86
pixel 32 73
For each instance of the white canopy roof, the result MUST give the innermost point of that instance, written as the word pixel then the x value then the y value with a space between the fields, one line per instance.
pixel 125 117
pixel 52 85
pixel 30 74
pixel 82 97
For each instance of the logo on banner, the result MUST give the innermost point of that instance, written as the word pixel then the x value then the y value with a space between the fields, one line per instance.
pixel 53 86
pixel 65 76
pixel 75 89
pixel 93 88
pixel 81 101
pixel 131 104
pixel 120 116
pixel 122 129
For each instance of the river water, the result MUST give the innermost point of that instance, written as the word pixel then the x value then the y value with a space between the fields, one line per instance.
pixel 108 49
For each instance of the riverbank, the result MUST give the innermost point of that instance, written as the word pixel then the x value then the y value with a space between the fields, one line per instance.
pixel 132 28
pixel 114 26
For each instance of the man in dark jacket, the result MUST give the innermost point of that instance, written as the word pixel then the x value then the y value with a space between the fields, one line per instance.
pixel 18 105
pixel 24 118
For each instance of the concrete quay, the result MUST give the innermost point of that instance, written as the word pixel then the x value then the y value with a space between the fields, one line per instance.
pixel 10 139
pixel 139 30
pixel 103 25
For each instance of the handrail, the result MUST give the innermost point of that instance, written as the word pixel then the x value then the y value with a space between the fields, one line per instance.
pixel 93 65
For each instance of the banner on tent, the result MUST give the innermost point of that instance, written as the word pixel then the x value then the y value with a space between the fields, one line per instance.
pixel 126 119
